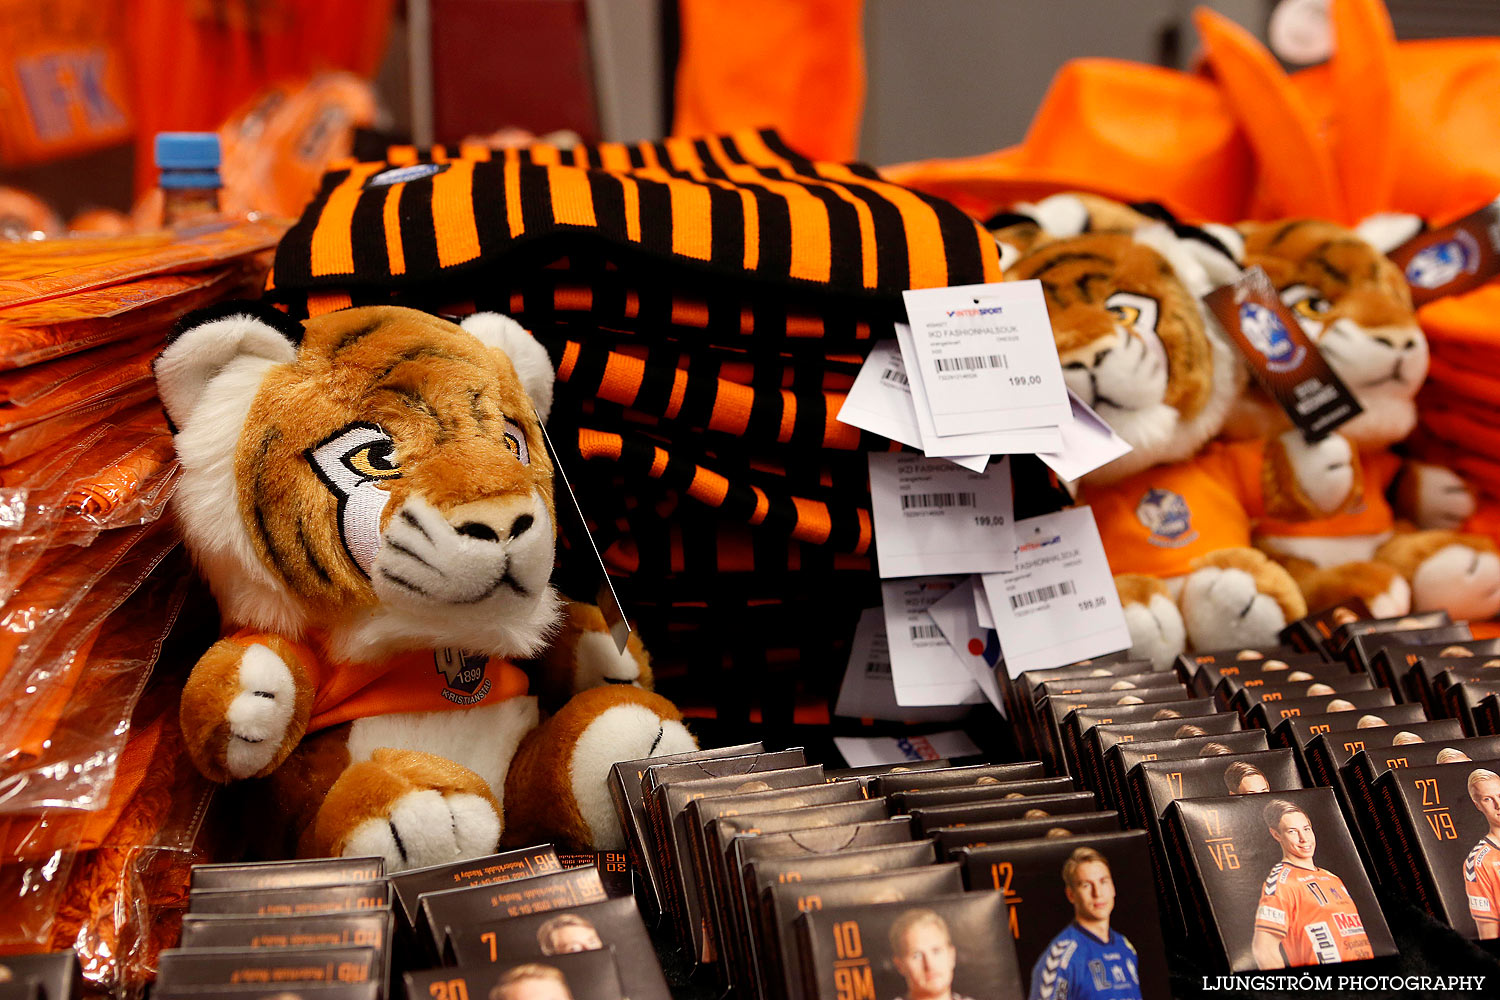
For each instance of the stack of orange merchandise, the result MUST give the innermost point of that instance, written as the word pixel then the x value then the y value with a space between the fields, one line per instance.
pixel 99 810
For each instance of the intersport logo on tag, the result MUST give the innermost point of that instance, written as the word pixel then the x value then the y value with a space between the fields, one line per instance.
pixel 982 311
pixel 1033 546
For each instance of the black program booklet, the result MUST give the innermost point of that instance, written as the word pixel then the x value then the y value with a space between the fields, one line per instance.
pixel 1097 745
pixel 1082 910
pixel 583 975
pixel 951 839
pixel 1274 880
pixel 959 944
pixel 614 923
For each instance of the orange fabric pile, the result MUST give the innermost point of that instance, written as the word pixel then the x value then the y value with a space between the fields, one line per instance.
pixel 99 808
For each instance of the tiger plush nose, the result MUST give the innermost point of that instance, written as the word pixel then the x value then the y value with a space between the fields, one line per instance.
pixel 496 520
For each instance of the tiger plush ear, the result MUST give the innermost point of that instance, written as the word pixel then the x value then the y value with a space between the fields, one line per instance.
pixel 205 343
pixel 527 356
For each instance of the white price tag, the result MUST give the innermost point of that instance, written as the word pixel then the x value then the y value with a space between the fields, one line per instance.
pixel 867 691
pixel 988 360
pixel 868 751
pixel 982 605
pixel 1059 605
pixel 880 401
pixel 924 668
pixel 1018 441
pixel 932 516
pixel 1087 444
pixel 956 617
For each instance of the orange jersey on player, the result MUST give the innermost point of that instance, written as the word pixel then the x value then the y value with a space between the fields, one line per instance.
pixel 1482 883
pixel 1314 916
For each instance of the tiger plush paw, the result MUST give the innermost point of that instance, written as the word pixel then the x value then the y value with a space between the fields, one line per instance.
pixel 1157 632
pixel 1318 479
pixel 558 782
pixel 584 656
pixel 1448 571
pixel 244 707
pixel 1435 497
pixel 1238 597
pixel 409 807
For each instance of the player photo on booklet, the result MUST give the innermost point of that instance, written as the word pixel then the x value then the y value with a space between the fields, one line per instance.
pixel 781 905
pixel 1189 664
pixel 1444 819
pixel 1276 881
pixel 957 777
pixel 583 975
pixel 951 838
pixel 1270 714
pixel 1082 722
pixel 1099 740
pixel 926 820
pixel 943 948
pixel 614 923
pixel 1083 912
pixel 1310 633
pixel 1407 749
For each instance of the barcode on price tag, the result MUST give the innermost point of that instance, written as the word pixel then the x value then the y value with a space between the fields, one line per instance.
pixel 894 377
pixel 933 517
pixel 919 501
pixel 1047 593
pixel 970 363
pixel 868 690
pixel 919 632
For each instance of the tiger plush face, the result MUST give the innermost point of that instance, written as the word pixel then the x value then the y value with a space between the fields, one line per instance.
pixel 1355 304
pixel 379 473
pixel 1133 340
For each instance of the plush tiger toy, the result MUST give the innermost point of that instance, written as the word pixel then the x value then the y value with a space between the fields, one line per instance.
pixel 1355 304
pixel 371 500
pixel 1176 514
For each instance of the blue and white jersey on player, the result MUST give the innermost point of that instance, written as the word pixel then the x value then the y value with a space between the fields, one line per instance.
pixel 1079 966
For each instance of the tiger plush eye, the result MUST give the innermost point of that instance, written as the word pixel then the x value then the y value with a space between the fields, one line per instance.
pixel 515 440
pixel 1305 302
pixel 376 460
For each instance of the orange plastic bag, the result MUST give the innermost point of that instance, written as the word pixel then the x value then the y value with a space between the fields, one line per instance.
pixel 794 65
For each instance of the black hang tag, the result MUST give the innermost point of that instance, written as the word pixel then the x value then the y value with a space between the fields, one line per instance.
pixel 605 596
pixel 1454 259
pixel 1282 356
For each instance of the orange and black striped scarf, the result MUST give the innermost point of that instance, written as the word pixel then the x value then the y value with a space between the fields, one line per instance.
pixel 707 304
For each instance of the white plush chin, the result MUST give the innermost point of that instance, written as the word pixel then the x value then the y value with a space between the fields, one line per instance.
pixel 624 732
pixel 1157 632
pixel 1223 608
pixel 1459 580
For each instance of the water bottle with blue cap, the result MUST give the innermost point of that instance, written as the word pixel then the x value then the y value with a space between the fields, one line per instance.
pixel 188 163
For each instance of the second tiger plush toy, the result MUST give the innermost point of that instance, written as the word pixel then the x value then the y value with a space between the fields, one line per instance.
pixel 371 500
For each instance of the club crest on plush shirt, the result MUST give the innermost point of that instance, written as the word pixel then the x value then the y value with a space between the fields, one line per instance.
pixel 1268 335
pixel 1442 263
pixel 1167 516
pixel 464 673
